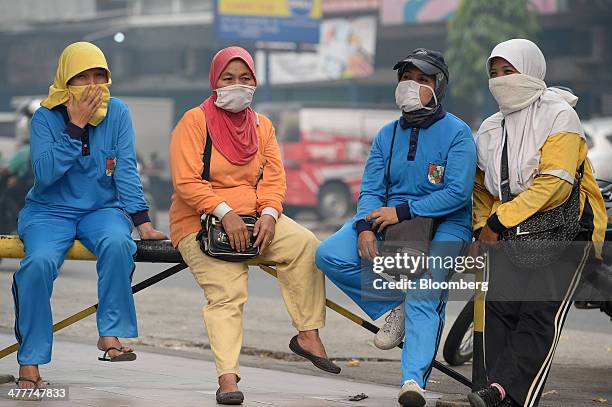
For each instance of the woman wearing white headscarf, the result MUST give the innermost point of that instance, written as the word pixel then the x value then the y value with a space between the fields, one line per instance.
pixel 546 149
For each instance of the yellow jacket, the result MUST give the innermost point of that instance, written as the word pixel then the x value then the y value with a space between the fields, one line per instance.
pixel 561 152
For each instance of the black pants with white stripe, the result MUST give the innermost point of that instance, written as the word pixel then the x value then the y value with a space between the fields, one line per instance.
pixel 524 315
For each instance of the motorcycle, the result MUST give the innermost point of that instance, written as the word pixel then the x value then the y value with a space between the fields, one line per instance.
pixel 12 197
pixel 459 344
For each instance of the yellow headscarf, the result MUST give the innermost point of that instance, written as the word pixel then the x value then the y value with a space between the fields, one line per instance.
pixel 76 58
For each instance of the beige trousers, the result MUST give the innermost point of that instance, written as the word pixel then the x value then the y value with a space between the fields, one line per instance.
pixel 302 286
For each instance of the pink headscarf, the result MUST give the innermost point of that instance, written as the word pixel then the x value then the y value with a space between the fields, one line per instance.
pixel 234 135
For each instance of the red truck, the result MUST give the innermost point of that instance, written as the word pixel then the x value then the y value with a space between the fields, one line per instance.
pixel 324 150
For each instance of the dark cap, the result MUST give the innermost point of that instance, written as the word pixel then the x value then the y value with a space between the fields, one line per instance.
pixel 428 61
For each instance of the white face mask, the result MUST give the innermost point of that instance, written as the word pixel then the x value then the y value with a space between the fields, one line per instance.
pixel 515 92
pixel 407 96
pixel 234 98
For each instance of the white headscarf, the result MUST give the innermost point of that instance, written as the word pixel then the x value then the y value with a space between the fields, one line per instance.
pixel 532 112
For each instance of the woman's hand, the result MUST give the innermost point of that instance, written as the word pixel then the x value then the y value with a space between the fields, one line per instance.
pixel 81 112
pixel 366 245
pixel 264 230
pixel 488 236
pixel 147 232
pixel 237 231
pixel 383 217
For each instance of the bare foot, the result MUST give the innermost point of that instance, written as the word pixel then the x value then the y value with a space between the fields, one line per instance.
pixel 311 342
pixel 228 383
pixel 29 372
pixel 106 342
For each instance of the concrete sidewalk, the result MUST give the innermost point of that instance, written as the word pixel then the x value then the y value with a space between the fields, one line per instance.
pixel 157 379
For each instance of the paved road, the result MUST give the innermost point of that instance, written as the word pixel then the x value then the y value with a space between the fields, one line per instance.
pixel 166 379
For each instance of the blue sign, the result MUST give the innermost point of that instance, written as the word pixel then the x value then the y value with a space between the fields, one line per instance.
pixel 268 20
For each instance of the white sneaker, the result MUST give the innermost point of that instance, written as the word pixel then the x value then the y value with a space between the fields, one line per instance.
pixel 392 332
pixel 411 395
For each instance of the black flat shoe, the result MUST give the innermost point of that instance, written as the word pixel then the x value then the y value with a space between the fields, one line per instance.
pixel 230 398
pixel 322 363
pixel 487 397
pixel 124 356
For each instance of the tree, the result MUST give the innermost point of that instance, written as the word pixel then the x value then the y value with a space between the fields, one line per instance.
pixel 473 31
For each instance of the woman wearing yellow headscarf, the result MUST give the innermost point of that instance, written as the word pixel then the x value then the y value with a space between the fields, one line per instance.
pixel 86 187
pixel 80 65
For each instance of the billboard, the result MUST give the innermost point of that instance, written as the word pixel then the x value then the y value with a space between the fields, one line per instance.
pixel 349 6
pixel 394 12
pixel 346 50
pixel 268 20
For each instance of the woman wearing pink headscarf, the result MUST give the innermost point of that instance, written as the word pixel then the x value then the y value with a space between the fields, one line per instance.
pixel 244 176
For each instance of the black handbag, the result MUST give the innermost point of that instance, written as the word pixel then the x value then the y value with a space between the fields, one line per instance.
pixel 412 236
pixel 213 240
pixel 543 237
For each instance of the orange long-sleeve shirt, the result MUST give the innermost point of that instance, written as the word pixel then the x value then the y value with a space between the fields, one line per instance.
pixel 247 189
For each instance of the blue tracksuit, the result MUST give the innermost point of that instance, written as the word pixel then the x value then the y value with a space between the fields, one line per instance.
pixel 432 175
pixel 86 185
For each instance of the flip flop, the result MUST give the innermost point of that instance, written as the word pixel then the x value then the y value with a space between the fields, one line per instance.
pixel 25 396
pixel 38 380
pixel 322 363
pixel 123 357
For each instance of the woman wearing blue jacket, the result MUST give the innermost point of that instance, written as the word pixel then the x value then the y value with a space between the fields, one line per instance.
pixel 433 163
pixel 86 187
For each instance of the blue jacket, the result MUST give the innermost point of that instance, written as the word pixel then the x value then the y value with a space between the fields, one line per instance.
pixel 85 169
pixel 432 174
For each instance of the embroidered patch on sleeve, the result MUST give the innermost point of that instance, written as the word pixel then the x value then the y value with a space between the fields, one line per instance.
pixel 111 164
pixel 435 173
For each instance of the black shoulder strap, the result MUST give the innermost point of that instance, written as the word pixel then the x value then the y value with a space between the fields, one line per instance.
pixel 504 172
pixel 388 177
pixel 206 156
